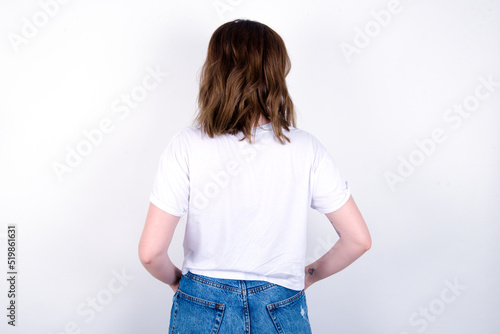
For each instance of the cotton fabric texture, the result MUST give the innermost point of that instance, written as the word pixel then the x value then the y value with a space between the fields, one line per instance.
pixel 247 204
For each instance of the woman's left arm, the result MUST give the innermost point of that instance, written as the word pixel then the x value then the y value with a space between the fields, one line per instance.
pixel 153 246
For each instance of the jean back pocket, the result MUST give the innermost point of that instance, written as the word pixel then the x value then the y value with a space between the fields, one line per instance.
pixel 290 315
pixel 195 315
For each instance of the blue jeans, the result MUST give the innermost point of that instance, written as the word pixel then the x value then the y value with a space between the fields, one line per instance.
pixel 207 305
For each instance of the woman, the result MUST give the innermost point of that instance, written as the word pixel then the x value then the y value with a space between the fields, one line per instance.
pixel 246 177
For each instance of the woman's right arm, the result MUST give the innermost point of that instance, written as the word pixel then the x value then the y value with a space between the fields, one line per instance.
pixel 354 241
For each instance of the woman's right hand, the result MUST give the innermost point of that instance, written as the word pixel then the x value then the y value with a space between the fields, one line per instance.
pixel 307 282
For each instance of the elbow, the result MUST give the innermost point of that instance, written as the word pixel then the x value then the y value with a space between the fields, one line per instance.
pixel 147 256
pixel 362 244
pixel 152 256
pixel 143 255
pixel 148 260
pixel 366 243
pixel 145 260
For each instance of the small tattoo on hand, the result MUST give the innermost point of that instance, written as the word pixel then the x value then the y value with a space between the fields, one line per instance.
pixel 311 270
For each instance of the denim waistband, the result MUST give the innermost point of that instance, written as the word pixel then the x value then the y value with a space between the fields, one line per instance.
pixel 230 285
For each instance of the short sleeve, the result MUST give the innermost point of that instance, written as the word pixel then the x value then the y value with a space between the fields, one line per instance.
pixel 329 191
pixel 171 185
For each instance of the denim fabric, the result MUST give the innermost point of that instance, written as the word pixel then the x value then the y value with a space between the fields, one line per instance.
pixel 207 305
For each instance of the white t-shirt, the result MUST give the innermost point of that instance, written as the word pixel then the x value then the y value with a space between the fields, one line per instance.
pixel 247 204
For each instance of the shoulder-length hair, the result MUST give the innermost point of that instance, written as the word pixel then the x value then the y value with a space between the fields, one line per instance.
pixel 243 78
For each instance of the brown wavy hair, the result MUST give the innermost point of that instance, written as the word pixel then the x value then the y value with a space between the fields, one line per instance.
pixel 243 77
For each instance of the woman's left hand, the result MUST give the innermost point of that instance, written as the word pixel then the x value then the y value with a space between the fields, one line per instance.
pixel 178 276
pixel 174 286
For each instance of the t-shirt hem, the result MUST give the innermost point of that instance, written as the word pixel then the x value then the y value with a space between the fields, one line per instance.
pixel 157 202
pixel 244 276
pixel 339 204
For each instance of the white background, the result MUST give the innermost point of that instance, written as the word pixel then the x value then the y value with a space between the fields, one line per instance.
pixel 436 226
